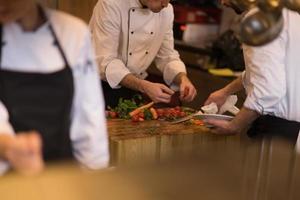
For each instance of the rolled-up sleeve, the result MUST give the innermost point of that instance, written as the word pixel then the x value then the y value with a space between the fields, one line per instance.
pixel 167 59
pixel 105 26
pixel 88 129
pixel 266 68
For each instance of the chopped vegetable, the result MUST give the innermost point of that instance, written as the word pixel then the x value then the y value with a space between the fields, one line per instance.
pixel 129 109
pixel 154 113
pixel 141 108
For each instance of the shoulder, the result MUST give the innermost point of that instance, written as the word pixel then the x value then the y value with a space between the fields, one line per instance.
pixel 66 24
pixel 290 16
pixel 117 4
pixel 168 12
pixel 73 34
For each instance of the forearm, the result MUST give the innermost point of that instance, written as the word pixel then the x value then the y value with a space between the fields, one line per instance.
pixel 244 119
pixel 177 80
pixel 134 83
pixel 234 86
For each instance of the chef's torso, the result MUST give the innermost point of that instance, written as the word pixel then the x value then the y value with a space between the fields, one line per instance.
pixel 272 73
pixel 140 34
pixel 37 85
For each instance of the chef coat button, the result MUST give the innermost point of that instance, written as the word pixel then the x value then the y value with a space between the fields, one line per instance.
pixel 133 10
pixel 141 74
pixel 132 32
pixel 151 33
pixel 147 52
pixel 130 53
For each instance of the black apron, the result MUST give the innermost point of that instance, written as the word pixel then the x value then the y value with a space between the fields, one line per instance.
pixel 41 102
pixel 271 126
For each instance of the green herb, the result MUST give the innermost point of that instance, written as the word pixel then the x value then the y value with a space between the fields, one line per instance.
pixel 148 114
pixel 124 107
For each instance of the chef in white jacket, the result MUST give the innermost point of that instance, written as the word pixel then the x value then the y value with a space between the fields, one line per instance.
pixel 51 103
pixel 271 81
pixel 128 36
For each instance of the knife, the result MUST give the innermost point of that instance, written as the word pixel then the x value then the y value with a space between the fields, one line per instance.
pixel 177 121
pixel 233 110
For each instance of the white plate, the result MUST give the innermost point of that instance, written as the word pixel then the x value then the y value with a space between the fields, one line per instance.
pixel 214 116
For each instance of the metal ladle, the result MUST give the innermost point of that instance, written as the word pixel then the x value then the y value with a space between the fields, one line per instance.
pixel 260 27
pixel 292 5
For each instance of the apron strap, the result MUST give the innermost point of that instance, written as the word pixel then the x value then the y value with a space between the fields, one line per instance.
pixel 54 35
pixel 58 44
pixel 56 40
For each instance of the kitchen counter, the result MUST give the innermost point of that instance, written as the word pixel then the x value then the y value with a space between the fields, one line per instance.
pixel 260 165
pixel 217 168
pixel 155 141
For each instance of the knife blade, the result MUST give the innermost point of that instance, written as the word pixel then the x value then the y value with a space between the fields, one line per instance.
pixel 177 121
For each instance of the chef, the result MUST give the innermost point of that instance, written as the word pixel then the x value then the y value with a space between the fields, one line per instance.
pixel 128 36
pixel 51 105
pixel 271 82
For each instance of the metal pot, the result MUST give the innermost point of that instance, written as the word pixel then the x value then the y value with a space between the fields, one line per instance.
pixel 270 5
pixel 292 5
pixel 260 28
pixel 243 5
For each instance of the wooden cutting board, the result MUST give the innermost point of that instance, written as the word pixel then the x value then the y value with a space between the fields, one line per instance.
pixel 125 129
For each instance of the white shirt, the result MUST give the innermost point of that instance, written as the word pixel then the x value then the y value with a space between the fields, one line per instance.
pixel 35 52
pixel 128 38
pixel 272 73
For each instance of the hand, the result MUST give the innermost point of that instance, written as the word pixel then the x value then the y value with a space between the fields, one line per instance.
pixel 219 97
pixel 157 92
pixel 223 127
pixel 187 89
pixel 24 153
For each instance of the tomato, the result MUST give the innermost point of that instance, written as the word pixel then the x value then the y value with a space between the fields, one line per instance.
pixel 141 115
pixel 141 119
pixel 172 110
pixel 113 114
pixel 198 122
pixel 160 112
pixel 167 113
pixel 177 108
pixel 135 118
pixel 174 113
pixel 182 114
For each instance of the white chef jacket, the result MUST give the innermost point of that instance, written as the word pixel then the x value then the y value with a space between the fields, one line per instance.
pixel 272 73
pixel 36 52
pixel 128 37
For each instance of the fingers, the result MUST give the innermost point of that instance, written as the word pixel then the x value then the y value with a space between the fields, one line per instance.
pixel 19 145
pixel 220 127
pixel 34 143
pixel 163 98
pixel 25 154
pixel 213 122
pixel 28 143
pixel 164 94
pixel 167 90
pixel 187 93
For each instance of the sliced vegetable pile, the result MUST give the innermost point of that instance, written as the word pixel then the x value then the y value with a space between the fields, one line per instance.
pixel 129 109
